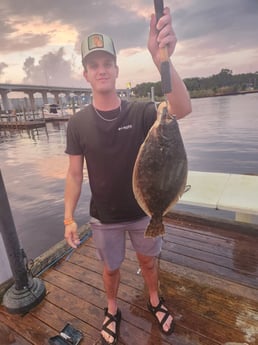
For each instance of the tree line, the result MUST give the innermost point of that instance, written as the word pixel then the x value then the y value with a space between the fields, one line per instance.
pixel 222 83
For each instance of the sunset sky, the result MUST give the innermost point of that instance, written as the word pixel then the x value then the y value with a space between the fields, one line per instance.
pixel 40 40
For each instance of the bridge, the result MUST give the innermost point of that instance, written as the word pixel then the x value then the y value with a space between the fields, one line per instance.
pixel 56 91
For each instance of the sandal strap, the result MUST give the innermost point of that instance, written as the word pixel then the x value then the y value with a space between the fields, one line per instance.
pixel 111 318
pixel 160 308
pixel 107 330
pixel 165 317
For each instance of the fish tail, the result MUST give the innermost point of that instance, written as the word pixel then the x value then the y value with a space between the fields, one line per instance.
pixel 155 227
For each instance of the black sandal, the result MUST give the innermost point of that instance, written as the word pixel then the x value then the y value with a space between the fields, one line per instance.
pixel 111 318
pixel 160 308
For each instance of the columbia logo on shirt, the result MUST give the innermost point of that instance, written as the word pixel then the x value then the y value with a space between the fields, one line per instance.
pixel 125 127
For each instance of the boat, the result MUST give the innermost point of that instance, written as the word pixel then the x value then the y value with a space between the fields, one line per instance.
pixel 53 112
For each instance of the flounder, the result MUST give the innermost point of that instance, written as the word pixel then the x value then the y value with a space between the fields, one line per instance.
pixel 160 170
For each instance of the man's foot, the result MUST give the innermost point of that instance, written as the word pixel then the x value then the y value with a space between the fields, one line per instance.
pixel 110 328
pixel 163 316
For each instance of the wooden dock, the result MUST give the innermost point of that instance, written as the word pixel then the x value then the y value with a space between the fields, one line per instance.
pixel 28 122
pixel 21 121
pixel 58 118
pixel 22 124
pixel 208 276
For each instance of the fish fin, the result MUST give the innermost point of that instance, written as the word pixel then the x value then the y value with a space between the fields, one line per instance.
pixel 155 228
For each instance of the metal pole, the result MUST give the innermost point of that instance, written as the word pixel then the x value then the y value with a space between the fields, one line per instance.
pixel 26 292
pixel 11 241
pixel 152 94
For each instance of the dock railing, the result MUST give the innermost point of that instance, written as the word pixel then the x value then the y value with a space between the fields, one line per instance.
pixel 21 120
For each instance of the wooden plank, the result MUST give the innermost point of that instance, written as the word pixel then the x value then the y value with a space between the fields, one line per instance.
pixel 244 275
pixel 130 278
pixel 57 318
pixel 243 262
pixel 209 309
pixel 221 303
pixel 187 257
pixel 246 266
pixel 208 299
pixel 9 337
pixel 205 262
pixel 22 125
pixel 190 221
pixel 194 249
pixel 28 327
pixel 215 240
pixel 212 268
pixel 93 314
pixel 132 296
pixel 136 298
pixel 203 233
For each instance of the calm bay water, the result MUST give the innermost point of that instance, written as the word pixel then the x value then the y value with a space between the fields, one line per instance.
pixel 221 135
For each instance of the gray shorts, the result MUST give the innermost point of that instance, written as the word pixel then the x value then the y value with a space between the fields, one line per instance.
pixel 110 240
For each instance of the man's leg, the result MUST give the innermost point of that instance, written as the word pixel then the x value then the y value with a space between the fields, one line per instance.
pixel 109 240
pixel 148 265
pixel 111 281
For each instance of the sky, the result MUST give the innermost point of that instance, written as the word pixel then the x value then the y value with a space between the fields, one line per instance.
pixel 40 40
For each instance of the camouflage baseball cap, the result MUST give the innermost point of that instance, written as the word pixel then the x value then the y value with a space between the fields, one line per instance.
pixel 95 42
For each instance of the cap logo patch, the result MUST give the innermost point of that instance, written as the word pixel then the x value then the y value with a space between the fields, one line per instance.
pixel 95 41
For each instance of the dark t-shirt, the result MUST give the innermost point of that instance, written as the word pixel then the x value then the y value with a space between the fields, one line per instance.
pixel 110 150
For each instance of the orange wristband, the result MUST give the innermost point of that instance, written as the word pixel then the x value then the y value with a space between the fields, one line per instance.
pixel 68 221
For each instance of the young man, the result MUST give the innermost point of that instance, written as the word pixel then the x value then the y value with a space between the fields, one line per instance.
pixel 108 134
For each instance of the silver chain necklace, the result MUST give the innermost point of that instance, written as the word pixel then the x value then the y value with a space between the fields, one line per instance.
pixel 108 120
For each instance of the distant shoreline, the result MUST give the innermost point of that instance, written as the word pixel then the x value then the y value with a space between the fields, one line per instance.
pixel 236 93
pixel 227 94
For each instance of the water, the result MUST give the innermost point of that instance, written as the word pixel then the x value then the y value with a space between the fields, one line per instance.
pixel 221 135
pixel 33 166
